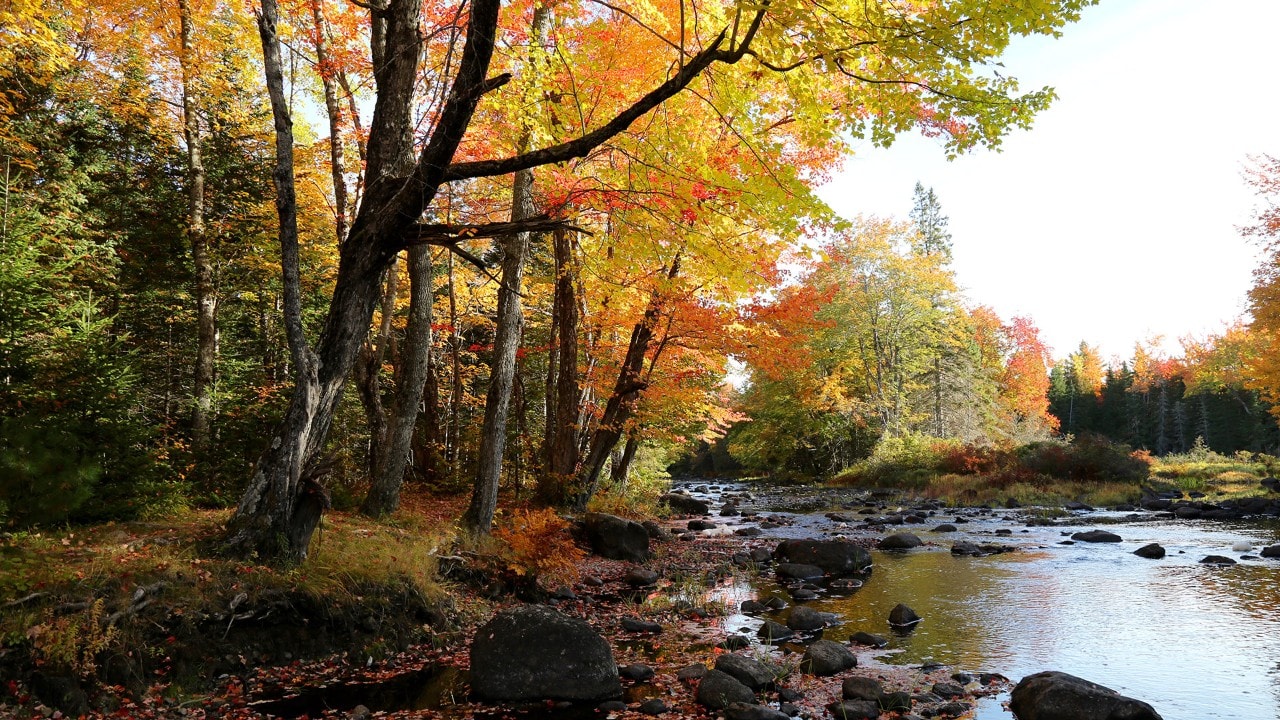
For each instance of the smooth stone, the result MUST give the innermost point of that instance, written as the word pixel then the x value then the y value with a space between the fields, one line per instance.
pixel 1217 560
pixel 634 624
pixel 616 538
pixel 748 671
pixel 1272 551
pixel 653 707
pixel 799 571
pixel 826 657
pixel 718 690
pixel 866 638
pixel 684 504
pixel 837 557
pixel 692 672
pixel 947 690
pixel 854 710
pixel 638 673
pixel 771 631
pixel 903 616
pixel 806 619
pixel 1056 695
pixel 533 652
pixel 744 711
pixel 945 528
pixel 900 541
pixel 640 577
pixel 861 688
pixel 735 642
pixel 1096 536
pixel 1152 551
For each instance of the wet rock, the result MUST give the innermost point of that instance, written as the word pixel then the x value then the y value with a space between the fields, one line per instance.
pixel 836 557
pixel 866 638
pixel 1272 551
pixel 612 706
pixel 735 642
pixel 635 624
pixel 956 709
pixel 760 556
pixel 718 691
pixel 900 541
pixel 964 548
pixel 751 607
pixel 1056 695
pixel 826 657
pixel 854 710
pixel 692 672
pixel 775 603
pixel 1156 504
pixel 743 711
pixel 656 531
pixel 640 577
pixel 638 673
pixel 684 504
pixel 844 584
pixel 729 510
pixel 902 616
pixel 947 690
pixel 1187 512
pixel 653 707
pixel 1096 536
pixel 771 632
pixel 804 593
pixel 1217 560
pixel 1152 551
pixel 1077 506
pixel 616 538
pixel 806 619
pixel 533 652
pixel 700 525
pixel 592 581
pixel 748 532
pixel 945 528
pixel 799 571
pixel 748 671
pixel 900 700
pixel 861 688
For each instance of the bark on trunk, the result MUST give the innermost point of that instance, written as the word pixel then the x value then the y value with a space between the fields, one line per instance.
pixel 368 372
pixel 493 437
pixel 620 471
pixel 389 465
pixel 334 110
pixel 562 453
pixel 205 291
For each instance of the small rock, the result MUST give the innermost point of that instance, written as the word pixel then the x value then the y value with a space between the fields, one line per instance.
pixel 1152 551
pixel 799 571
pixel 743 711
pixel 900 541
pixel 804 593
pixel 866 638
pixel 700 525
pixel 612 706
pixel 945 528
pixel 1217 560
pixel 947 690
pixel 775 603
pixel 806 619
pixel 748 671
pixel 638 673
pixel 752 606
pixel 692 672
pixel 896 701
pixel 772 632
pixel 902 616
pixel 653 707
pixel 359 712
pixel 1272 551
pixel 735 642
pixel 826 657
pixel 1077 506
pixel 854 710
pixel 748 532
pixel 1096 536
pixel 640 577
pixel 718 691
pixel 951 709
pixel 634 624
pixel 861 688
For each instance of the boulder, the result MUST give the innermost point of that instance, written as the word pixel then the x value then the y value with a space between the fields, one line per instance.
pixel 826 657
pixel 861 688
pixel 1076 505
pixel 947 691
pixel 836 557
pixel 700 525
pixel 1152 551
pixel 1272 551
pixel 748 671
pixel 684 504
pixel 1217 560
pixel 692 672
pixel 771 631
pixel 902 616
pixel 945 528
pixel 718 691
pixel 616 538
pixel 752 607
pixel 1096 536
pixel 866 638
pixel 656 531
pixel 900 541
pixel 640 577
pixel 964 548
pixel 533 652
pixel 1056 695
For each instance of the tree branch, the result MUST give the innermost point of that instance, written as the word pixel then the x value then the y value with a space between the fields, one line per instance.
pixel 445 234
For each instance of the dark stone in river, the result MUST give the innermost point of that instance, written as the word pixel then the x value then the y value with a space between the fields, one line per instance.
pixel 751 607
pixel 866 638
pixel 854 710
pixel 1217 560
pixel 1056 695
pixel 533 652
pixel 803 593
pixel 735 642
pixel 684 504
pixel 748 532
pixel 1153 551
pixel 947 690
pixel 826 657
pixel 861 688
pixel 1272 551
pixel 616 538
pixel 1096 536
pixel 748 671
pixel 900 700
pixel 744 711
pixel 806 619
pixel 964 548
pixel 1077 505
pixel 945 528
pixel 718 691
pixel 900 541
pixel 700 525
pixel 902 616
pixel 771 631
pixel 799 571
pixel 837 557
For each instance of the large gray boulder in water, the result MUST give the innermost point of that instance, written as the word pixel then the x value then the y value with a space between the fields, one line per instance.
pixel 533 652
pixel 1056 695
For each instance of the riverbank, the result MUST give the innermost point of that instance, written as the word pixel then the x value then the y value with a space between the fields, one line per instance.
pixel 144 619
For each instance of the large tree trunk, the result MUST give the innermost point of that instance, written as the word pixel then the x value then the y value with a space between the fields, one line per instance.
pixel 328 77
pixel 493 437
pixel 415 354
pixel 562 451
pixel 620 469
pixel 368 371
pixel 205 291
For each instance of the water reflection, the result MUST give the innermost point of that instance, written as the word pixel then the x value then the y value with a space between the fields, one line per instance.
pixel 1195 641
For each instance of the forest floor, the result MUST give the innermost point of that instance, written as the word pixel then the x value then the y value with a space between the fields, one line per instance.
pixel 146 620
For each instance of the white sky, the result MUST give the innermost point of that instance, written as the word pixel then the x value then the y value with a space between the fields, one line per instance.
pixel 1114 219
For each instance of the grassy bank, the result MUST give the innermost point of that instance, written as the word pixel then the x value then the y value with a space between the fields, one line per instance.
pixel 1089 470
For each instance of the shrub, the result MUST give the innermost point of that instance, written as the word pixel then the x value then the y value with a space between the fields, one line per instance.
pixel 1089 457
pixel 45 474
pixel 538 546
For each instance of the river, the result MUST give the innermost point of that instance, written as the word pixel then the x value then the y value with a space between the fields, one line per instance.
pixel 1195 641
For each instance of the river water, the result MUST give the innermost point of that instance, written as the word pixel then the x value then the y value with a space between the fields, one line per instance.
pixel 1193 640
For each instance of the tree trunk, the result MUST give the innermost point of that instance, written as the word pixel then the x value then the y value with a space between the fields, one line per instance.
pixel 562 451
pixel 389 464
pixel 368 372
pixel 493 437
pixel 621 467
pixel 626 394
pixel 205 291
pixel 452 434
pixel 334 111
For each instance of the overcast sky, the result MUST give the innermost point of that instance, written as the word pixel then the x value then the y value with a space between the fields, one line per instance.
pixel 1114 219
